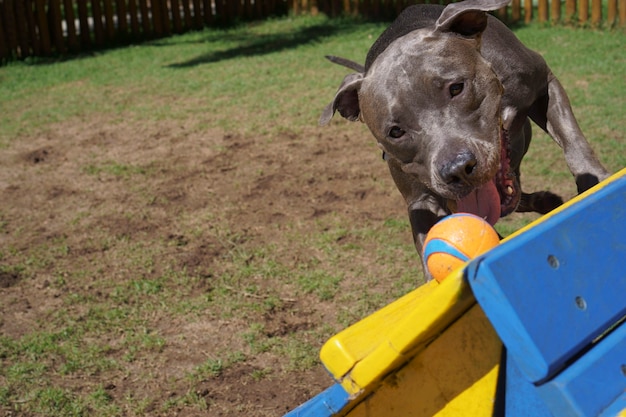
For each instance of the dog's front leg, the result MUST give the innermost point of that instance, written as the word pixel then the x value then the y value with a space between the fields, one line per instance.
pixel 554 114
pixel 423 218
pixel 424 208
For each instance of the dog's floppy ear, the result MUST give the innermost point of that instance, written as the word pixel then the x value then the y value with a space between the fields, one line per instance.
pixel 346 100
pixel 467 18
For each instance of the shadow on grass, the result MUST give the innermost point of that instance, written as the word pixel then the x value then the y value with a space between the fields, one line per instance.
pixel 253 44
pixel 250 43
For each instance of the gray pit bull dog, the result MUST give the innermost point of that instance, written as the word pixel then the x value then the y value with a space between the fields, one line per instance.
pixel 448 93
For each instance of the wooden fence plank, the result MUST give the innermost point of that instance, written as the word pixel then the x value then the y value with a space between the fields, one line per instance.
pixel 160 18
pixel 8 11
pixel 236 8
pixel 248 11
pixel 226 10
pixel 342 7
pixel 516 11
pixel 389 7
pixel 21 24
pixel 83 21
pixel 207 11
pixel 622 12
pixel 108 20
pixel 188 18
pixel 583 11
pixel 542 11
pixel 555 11
pixel 503 14
pixel 10 24
pixel 258 10
pixel 70 22
pixel 5 51
pixel 54 10
pixel 528 11
pixel 122 19
pixel 611 15
pixel 165 15
pixel 42 25
pixel 217 13
pixel 177 22
pixel 157 22
pixel 146 22
pixel 133 11
pixel 365 8
pixel 570 10
pixel 356 8
pixel 375 9
pixel 197 14
pixel 596 12
pixel 98 27
pixel 324 6
pixel 31 22
pixel 220 13
pixel 271 10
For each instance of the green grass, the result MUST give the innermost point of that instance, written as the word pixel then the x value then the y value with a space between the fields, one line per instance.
pixel 240 72
pixel 256 80
pixel 590 64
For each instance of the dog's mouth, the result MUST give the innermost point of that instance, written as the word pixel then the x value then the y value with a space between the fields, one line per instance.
pixel 499 196
pixel 506 179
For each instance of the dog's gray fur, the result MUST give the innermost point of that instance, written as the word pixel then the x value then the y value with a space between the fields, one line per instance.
pixel 448 93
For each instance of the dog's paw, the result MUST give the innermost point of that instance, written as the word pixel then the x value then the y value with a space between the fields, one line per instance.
pixel 540 202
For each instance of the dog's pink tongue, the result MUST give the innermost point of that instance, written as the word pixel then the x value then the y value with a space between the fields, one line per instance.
pixel 483 202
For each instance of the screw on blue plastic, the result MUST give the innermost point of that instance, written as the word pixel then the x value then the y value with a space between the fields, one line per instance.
pixel 549 292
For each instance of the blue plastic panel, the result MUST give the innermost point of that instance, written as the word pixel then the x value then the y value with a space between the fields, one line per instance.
pixel 325 404
pixel 593 382
pixel 617 408
pixel 521 396
pixel 551 290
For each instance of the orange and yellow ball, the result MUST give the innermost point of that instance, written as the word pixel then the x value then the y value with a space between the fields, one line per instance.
pixel 454 240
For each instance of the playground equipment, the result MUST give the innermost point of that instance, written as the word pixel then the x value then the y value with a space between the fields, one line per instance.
pixel 534 327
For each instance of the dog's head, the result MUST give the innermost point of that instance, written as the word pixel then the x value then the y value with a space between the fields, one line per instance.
pixel 433 103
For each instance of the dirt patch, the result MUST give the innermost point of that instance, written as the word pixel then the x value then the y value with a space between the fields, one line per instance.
pixel 96 212
pixel 8 279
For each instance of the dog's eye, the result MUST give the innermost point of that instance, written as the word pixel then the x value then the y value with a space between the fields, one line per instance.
pixel 456 89
pixel 396 133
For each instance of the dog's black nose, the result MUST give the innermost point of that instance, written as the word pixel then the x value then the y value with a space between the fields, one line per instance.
pixel 460 169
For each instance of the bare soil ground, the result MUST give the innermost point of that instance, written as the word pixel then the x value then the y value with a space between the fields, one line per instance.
pixel 92 206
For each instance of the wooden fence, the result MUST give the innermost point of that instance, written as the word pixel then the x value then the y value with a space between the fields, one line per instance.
pixel 51 27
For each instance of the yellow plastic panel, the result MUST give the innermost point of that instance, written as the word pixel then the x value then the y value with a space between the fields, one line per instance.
pixel 362 354
pixel 341 352
pixel 455 375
